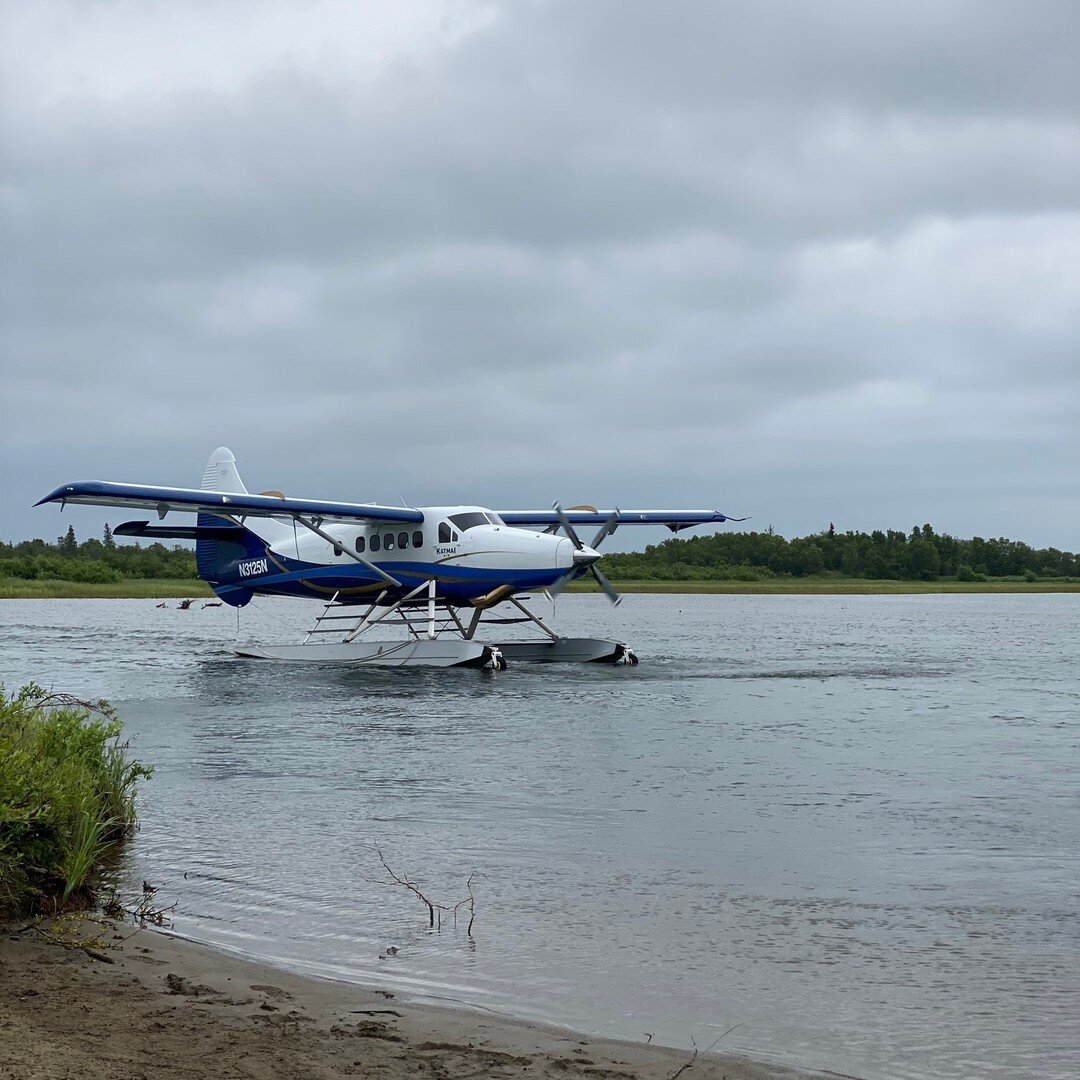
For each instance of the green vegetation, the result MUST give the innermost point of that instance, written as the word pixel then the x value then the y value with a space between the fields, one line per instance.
pixel 127 588
pixel 67 795
pixel 827 585
pixel 94 562
pixel 922 555
pixel 919 561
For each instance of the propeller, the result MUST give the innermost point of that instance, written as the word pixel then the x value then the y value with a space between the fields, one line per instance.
pixel 606 530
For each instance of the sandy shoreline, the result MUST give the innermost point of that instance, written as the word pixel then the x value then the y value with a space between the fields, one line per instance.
pixel 166 1004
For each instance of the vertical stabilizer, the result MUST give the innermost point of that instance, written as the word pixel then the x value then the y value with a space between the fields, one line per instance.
pixel 221 474
pixel 214 557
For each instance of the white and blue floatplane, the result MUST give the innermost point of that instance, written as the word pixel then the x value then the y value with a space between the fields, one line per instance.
pixel 439 572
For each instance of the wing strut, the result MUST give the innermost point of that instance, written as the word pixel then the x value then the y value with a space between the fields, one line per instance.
pixel 339 546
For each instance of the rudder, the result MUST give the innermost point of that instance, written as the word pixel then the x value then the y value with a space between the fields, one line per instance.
pixel 221 473
pixel 212 556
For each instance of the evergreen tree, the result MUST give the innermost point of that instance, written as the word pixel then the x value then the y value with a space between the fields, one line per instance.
pixel 68 545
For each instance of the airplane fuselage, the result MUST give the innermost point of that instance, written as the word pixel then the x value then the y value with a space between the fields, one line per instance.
pixel 467 550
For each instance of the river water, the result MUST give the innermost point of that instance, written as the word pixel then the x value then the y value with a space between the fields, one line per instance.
pixel 850 825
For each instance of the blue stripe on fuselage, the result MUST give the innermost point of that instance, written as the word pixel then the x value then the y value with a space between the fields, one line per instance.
pixel 454 581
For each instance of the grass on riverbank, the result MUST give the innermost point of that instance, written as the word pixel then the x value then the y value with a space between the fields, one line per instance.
pixel 129 588
pixel 67 795
pixel 841 586
pixel 164 589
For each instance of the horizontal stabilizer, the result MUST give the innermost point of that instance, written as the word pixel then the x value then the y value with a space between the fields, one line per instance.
pixel 231 533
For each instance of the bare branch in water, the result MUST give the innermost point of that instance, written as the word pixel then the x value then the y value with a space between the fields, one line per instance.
pixel 413 888
pixel 143 911
pixel 694 1056
pixel 70 701
pixel 469 900
pixel 435 909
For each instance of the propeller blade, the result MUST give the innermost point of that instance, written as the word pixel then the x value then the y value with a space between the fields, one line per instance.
pixel 609 589
pixel 560 585
pixel 605 586
pixel 607 528
pixel 564 521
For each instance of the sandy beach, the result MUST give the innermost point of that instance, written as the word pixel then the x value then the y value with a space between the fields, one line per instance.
pixel 155 1004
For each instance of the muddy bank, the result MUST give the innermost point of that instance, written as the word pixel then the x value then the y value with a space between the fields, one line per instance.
pixel 156 1005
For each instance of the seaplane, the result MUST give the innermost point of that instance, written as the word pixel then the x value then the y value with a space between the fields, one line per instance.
pixel 444 577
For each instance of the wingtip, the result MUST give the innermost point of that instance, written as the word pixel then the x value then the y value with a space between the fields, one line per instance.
pixel 56 495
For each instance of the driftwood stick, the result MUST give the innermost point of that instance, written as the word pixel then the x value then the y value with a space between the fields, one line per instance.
pixel 470 901
pixel 412 887
pixel 435 910
pixel 689 1063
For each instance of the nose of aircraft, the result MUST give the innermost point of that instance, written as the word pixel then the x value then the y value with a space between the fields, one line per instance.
pixel 566 555
pixel 585 556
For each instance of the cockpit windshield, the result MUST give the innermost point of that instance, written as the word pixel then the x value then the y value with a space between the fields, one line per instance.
pixel 470 520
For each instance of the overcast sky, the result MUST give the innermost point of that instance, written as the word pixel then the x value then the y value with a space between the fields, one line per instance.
pixel 811 262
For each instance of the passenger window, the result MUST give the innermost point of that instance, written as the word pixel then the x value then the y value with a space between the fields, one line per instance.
pixel 444 533
pixel 402 540
pixel 418 538
pixel 388 542
pixel 338 550
pixel 375 542
pixel 361 545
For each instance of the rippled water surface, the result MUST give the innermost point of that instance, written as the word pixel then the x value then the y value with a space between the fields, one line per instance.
pixel 849 824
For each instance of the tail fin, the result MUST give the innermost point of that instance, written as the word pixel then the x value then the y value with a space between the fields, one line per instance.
pixel 212 556
pixel 221 474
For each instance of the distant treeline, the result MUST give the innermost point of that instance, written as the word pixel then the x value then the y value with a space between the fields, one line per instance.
pixel 921 554
pixel 95 561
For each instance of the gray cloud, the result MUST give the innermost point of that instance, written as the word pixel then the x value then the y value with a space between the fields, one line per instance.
pixel 814 263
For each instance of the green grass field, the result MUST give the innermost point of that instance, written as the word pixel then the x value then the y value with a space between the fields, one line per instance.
pixel 129 588
pixel 152 589
pixel 842 586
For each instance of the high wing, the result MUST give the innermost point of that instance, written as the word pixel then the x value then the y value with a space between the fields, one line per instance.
pixel 675 520
pixel 190 500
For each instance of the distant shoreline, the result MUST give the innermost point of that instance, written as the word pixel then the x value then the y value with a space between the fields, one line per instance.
pixel 838 587
pixel 180 588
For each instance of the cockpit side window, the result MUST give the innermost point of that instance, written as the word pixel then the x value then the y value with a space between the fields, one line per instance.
pixel 494 519
pixel 468 521
pixel 444 533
